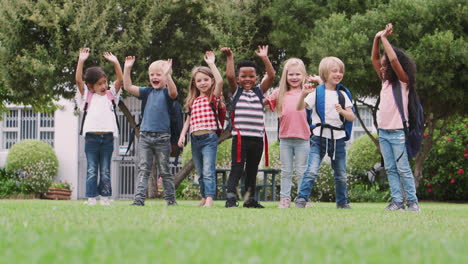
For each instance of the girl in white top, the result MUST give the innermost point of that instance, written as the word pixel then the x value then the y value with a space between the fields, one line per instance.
pixel 99 124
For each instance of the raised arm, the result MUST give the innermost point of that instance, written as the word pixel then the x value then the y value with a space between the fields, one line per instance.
pixel 118 70
pixel 392 57
pixel 127 80
pixel 210 60
pixel 308 88
pixel 375 56
pixel 230 73
pixel 172 89
pixel 84 54
pixel 267 82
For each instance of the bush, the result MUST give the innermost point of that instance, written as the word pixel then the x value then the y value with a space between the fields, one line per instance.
pixel 444 176
pixel 9 183
pixel 362 156
pixel 36 164
pixel 366 193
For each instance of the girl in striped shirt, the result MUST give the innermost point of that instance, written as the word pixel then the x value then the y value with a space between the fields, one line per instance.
pixel 206 86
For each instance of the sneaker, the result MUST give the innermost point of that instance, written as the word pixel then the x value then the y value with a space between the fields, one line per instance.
pixel 252 203
pixel 343 206
pixel 91 201
pixel 104 201
pixel 309 205
pixel 138 203
pixel 231 202
pixel 395 207
pixel 301 203
pixel 171 203
pixel 284 203
pixel 412 206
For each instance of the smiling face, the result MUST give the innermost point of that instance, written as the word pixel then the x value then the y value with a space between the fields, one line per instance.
pixel 157 78
pixel 335 74
pixel 295 77
pixel 247 77
pixel 100 87
pixel 203 82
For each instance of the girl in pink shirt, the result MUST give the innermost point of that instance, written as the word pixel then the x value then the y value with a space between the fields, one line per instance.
pixel 206 84
pixel 294 131
pixel 394 68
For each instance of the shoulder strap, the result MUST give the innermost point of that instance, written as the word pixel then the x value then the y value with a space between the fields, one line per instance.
pixel 397 96
pixel 320 102
pixel 89 97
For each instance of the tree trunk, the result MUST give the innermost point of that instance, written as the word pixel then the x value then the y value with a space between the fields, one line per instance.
pixel 185 171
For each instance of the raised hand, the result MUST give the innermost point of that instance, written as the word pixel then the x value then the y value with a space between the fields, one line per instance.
pixel 84 54
pixel 308 88
pixel 129 61
pixel 209 57
pixel 227 51
pixel 262 51
pixel 168 67
pixel 110 57
pixel 313 79
pixel 388 30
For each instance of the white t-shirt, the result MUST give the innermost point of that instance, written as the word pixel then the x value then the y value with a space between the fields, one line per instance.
pixel 100 117
pixel 331 115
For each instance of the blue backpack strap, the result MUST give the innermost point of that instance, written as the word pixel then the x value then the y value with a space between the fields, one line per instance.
pixel 320 104
pixel 348 125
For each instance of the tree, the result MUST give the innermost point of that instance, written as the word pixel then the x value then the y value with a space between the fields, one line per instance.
pixel 439 54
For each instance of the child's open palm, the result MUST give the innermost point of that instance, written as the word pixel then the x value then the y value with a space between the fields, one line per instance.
pixel 84 54
pixel 129 61
pixel 209 57
pixel 309 88
pixel 167 68
pixel 110 57
pixel 262 51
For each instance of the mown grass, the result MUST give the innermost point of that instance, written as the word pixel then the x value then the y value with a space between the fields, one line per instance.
pixel 39 231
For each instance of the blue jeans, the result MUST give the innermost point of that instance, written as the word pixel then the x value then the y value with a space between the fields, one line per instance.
pixel 338 164
pixel 393 147
pixel 204 149
pixel 98 149
pixel 158 145
pixel 292 150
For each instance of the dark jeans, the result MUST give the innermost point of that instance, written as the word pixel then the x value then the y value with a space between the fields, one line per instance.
pixel 157 144
pixel 98 149
pixel 251 154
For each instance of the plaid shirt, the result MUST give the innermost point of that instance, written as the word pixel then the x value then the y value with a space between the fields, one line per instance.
pixel 201 115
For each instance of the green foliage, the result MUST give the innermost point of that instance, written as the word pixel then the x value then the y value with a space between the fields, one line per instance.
pixel 36 164
pixel 445 173
pixel 60 185
pixel 362 156
pixel 9 183
pixel 367 193
pixel 274 156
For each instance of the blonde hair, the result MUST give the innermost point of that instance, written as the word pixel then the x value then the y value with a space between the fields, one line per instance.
pixel 158 66
pixel 326 64
pixel 283 85
pixel 193 91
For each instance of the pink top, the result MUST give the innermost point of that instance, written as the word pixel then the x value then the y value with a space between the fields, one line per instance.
pixel 388 116
pixel 293 123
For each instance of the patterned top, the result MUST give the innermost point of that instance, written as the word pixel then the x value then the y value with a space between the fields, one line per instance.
pixel 249 115
pixel 201 115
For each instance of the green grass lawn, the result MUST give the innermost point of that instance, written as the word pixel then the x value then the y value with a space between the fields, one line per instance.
pixel 41 231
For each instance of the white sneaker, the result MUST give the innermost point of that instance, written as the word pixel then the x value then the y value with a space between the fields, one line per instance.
pixel 104 201
pixel 91 201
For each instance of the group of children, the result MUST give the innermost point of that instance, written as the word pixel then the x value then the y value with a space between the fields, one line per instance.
pixel 305 135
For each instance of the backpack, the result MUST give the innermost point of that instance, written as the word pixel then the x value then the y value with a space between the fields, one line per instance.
pixel 320 109
pixel 89 97
pixel 219 111
pixel 176 118
pixel 258 91
pixel 413 131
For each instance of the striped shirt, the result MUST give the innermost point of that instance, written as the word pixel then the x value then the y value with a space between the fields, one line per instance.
pixel 201 115
pixel 249 115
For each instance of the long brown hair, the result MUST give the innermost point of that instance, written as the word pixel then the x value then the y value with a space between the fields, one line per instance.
pixel 283 85
pixel 193 91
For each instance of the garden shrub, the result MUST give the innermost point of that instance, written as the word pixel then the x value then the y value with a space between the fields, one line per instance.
pixel 444 176
pixel 362 155
pixel 35 162
pixel 9 183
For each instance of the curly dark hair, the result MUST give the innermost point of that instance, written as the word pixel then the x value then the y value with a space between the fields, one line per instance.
pixel 246 63
pixel 408 64
pixel 93 74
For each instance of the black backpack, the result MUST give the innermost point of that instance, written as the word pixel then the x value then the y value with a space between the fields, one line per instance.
pixel 413 130
pixel 176 118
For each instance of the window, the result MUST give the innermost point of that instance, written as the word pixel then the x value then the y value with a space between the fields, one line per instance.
pixel 20 124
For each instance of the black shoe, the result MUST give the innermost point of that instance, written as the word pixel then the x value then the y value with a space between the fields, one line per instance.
pixel 137 203
pixel 171 203
pixel 343 206
pixel 252 203
pixel 231 202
